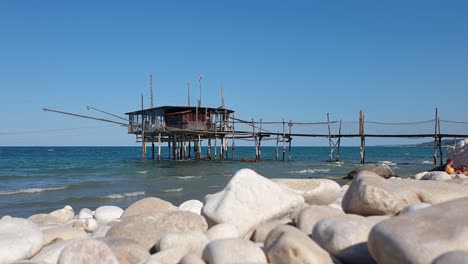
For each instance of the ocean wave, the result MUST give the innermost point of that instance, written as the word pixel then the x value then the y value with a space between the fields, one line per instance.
pixel 123 195
pixel 142 172
pixel 336 163
pixel 427 162
pixel 389 163
pixel 32 190
pixel 311 171
pixel 173 190
pixel 188 177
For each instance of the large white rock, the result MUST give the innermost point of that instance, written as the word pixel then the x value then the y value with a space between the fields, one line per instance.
pixel 126 250
pixel 371 195
pixel 314 191
pixel 64 215
pixel 168 256
pixel 147 229
pixel 248 200
pixel 345 236
pixel 19 239
pixel 437 176
pixel 452 257
pixel 87 224
pixel 51 253
pixel 87 251
pixel 312 214
pixel 85 213
pixel 148 205
pixel 108 213
pixel 233 250
pixel 263 229
pixel 63 233
pixel 459 153
pixel 191 242
pixel 222 231
pixel 287 244
pixel 191 259
pixel 421 236
pixel 193 206
pixel 414 207
pixel 418 176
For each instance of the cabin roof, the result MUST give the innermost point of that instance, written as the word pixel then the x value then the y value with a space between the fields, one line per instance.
pixel 180 109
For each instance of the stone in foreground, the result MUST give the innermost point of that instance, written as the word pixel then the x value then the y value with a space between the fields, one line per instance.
pixel 87 251
pixel 148 205
pixel 314 191
pixel 233 250
pixel 287 244
pixel 248 200
pixel 19 239
pixel 421 236
pixel 312 214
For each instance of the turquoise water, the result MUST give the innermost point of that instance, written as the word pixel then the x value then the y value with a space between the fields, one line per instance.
pixel 43 179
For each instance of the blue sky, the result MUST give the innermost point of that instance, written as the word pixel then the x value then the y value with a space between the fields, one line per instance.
pixel 395 60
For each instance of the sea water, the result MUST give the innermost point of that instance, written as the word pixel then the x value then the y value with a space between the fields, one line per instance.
pixel 42 179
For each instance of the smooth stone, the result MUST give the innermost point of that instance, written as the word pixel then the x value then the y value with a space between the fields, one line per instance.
pixel 191 242
pixel 87 251
pixel 382 170
pixel 87 224
pixel 459 152
pixel 458 181
pixel 51 252
pixel 418 176
pixel 126 250
pixel 414 207
pixel 263 229
pixel 85 213
pixel 287 244
pixel 168 256
pixel 421 236
pixel 193 206
pixel 147 229
pixel 452 257
pixel 20 239
pixel 312 214
pixel 108 213
pixel 233 250
pixel 345 236
pixel 191 259
pixel 64 215
pixel 314 191
pixel 248 200
pixel 370 194
pixel 436 176
pixel 101 231
pixel 148 205
pixel 222 231
pixel 63 233
pixel 44 220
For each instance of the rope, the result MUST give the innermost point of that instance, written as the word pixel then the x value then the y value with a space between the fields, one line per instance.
pixel 52 130
pixel 402 123
pixel 455 122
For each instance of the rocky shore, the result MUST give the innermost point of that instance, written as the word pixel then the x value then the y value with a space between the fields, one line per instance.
pixel 258 220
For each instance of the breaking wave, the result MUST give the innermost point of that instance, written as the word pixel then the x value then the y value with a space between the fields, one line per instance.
pixel 173 190
pixel 123 195
pixel 311 171
pixel 32 190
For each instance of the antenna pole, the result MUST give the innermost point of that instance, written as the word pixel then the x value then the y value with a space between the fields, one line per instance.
pixel 222 95
pixel 199 84
pixel 188 92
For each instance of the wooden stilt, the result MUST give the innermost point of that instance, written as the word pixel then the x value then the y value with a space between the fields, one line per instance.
pixel 189 149
pixel 290 139
pixel 208 150
pixel 276 149
pixel 434 154
pixel 169 148
pixel 363 138
pixel 152 149
pixel 159 146
pixel 284 139
pixel 233 139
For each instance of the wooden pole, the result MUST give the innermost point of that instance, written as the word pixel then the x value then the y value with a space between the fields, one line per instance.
pixel 329 137
pixel 152 149
pixel 440 143
pixel 189 149
pixel 260 141
pixel 276 149
pixel 290 139
pixel 169 147
pixel 233 138
pixel 159 146
pixel 143 140
pixel 255 139
pixel 216 136
pixel 363 140
pixel 284 139
pixel 174 148
pixel 339 143
pixel 436 123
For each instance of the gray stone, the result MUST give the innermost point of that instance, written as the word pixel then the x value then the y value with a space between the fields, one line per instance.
pixel 233 250
pixel 51 252
pixel 287 244
pixel 345 236
pixel 314 191
pixel 19 239
pixel 312 214
pixel 248 200
pixel 383 170
pixel 107 213
pixel 414 207
pixel 191 259
pixel 126 250
pixel 421 236
pixel 147 229
pixel 452 257
pixel 222 231
pixel 191 242
pixel 436 176
pixel 263 229
pixel 148 205
pixel 87 251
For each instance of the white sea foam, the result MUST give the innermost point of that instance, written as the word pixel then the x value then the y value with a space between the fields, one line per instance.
pixel 141 172
pixel 427 162
pixel 311 171
pixel 389 163
pixel 173 190
pixel 32 190
pixel 337 163
pixel 123 195
pixel 187 177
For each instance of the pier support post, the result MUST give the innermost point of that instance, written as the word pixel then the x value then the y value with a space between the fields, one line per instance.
pixel 159 146
pixel 290 139
pixel 152 149
pixel 363 138
pixel 284 140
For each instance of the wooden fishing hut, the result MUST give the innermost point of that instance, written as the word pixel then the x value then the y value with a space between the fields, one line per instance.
pixel 180 127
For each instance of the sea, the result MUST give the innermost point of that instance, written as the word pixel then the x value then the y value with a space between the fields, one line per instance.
pixel 43 179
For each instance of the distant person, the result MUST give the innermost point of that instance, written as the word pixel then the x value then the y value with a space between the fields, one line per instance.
pixel 449 169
